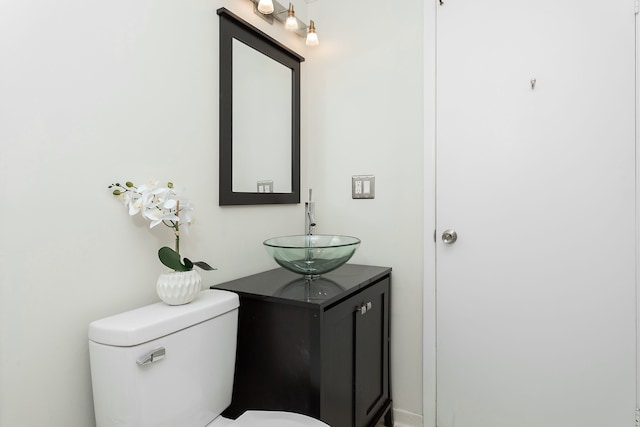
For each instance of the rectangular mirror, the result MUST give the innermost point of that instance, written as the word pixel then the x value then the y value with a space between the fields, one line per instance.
pixel 259 116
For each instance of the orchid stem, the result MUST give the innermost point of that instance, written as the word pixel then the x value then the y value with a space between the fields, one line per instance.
pixel 177 228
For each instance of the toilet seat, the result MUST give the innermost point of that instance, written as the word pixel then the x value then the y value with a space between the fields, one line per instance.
pixel 269 419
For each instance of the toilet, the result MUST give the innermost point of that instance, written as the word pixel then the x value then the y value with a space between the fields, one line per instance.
pixel 173 366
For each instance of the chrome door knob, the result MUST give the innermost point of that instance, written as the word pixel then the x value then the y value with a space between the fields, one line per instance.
pixel 449 236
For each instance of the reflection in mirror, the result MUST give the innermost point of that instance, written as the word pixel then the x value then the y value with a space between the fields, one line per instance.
pixel 259 116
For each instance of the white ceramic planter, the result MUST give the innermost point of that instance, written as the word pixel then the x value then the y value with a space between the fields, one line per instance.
pixel 179 287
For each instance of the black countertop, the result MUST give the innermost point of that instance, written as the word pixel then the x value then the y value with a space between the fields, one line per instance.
pixel 290 288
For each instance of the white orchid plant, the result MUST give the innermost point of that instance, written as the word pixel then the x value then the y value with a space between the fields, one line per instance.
pixel 161 205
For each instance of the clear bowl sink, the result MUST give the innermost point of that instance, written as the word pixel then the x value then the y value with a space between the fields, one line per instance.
pixel 311 255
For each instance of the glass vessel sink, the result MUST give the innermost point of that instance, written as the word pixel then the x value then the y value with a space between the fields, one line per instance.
pixel 311 255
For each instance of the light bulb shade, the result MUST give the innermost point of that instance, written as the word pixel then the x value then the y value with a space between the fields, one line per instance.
pixel 291 23
pixel 312 39
pixel 265 7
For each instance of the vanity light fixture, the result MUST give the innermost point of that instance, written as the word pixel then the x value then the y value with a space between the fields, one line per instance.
pixel 271 10
pixel 312 37
pixel 265 7
pixel 291 23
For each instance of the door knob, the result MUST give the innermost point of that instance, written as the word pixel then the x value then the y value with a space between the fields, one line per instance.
pixel 449 236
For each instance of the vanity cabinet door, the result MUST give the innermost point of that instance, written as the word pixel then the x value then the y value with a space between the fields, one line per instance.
pixel 355 359
pixel 372 354
pixel 337 397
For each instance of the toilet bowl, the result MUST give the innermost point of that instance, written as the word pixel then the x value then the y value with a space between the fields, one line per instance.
pixel 268 419
pixel 168 366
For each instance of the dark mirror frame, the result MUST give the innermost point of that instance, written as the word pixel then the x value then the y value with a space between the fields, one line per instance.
pixel 233 27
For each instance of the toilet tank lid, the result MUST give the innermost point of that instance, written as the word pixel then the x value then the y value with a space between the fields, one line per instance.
pixel 157 320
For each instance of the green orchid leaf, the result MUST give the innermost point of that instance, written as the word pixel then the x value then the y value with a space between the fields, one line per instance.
pixel 203 265
pixel 171 259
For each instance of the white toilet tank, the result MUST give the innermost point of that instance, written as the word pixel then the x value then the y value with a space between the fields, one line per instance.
pixel 164 365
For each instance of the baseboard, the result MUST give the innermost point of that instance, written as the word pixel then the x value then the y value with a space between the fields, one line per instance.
pixel 405 419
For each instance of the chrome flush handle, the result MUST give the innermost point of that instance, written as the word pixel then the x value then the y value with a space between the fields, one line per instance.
pixel 153 356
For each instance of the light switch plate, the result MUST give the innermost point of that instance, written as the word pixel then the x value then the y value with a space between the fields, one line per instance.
pixel 363 187
pixel 265 186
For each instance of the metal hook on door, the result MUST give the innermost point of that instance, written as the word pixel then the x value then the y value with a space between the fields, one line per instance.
pixel 533 84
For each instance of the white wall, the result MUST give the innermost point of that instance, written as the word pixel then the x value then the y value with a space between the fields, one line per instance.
pixel 92 92
pixel 365 117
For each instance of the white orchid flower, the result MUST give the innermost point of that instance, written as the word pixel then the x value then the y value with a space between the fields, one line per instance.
pixel 148 188
pixel 140 202
pixel 135 205
pixel 170 204
pixel 158 204
pixel 125 198
pixel 157 216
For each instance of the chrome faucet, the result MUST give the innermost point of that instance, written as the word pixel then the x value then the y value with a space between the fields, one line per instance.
pixel 309 216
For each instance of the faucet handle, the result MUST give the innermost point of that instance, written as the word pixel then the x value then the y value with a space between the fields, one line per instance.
pixel 309 216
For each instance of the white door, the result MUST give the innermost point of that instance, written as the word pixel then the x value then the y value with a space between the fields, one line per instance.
pixel 535 155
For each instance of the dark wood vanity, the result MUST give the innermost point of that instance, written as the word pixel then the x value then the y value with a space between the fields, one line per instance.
pixel 318 348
